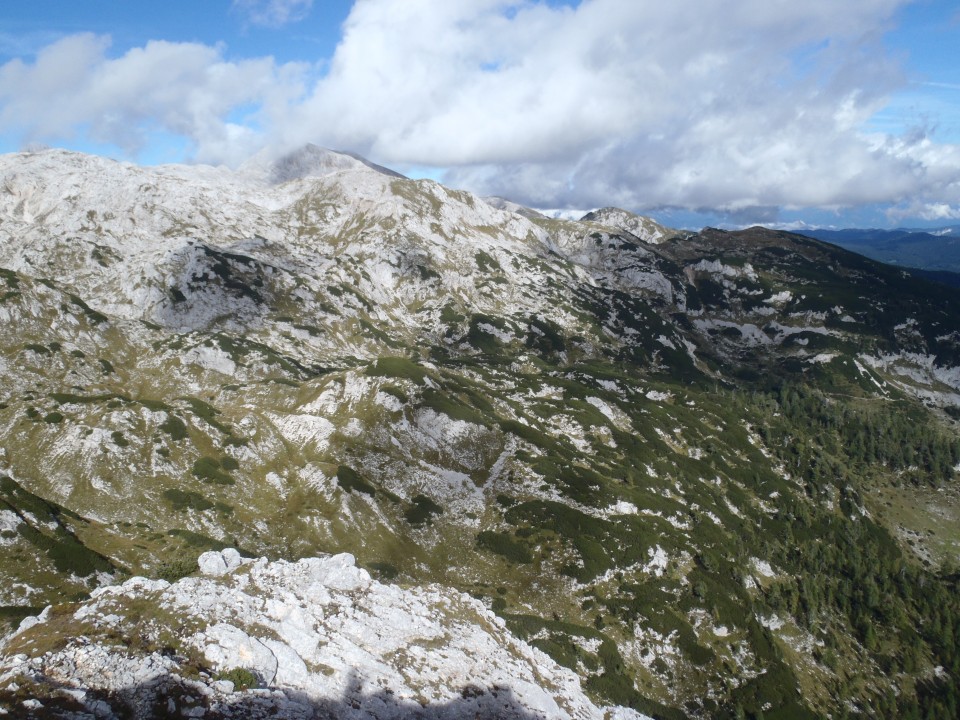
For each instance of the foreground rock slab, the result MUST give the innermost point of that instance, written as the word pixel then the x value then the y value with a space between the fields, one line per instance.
pixel 252 638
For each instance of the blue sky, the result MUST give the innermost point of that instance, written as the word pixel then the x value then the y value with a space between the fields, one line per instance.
pixel 927 37
pixel 29 26
pixel 695 111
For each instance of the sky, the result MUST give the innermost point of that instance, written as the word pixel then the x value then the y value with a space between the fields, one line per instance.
pixel 721 112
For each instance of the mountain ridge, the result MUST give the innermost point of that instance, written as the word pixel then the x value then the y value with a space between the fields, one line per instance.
pixel 614 435
pixel 925 249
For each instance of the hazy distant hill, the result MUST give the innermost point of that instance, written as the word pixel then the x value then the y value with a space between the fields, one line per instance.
pixel 937 249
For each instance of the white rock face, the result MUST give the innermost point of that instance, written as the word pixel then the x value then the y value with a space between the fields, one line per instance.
pixel 640 227
pixel 217 563
pixel 194 247
pixel 230 647
pixel 321 638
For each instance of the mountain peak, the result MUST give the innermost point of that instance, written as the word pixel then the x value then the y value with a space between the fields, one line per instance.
pixel 503 204
pixel 308 161
pixel 643 228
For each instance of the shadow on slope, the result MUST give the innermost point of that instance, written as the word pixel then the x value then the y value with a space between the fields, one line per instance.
pixel 170 696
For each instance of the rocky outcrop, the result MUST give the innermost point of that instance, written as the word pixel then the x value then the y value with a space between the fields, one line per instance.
pixel 313 638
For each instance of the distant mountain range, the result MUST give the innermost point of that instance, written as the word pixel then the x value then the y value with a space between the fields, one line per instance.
pixel 935 249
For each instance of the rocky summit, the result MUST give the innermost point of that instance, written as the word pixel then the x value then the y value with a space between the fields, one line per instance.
pixel 492 463
pixel 313 638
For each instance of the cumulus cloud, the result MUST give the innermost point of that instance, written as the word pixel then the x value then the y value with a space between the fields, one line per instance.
pixel 930 211
pixel 744 106
pixel 185 89
pixel 273 13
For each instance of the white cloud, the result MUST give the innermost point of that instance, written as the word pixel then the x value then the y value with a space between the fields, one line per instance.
pixel 186 89
pixel 744 106
pixel 273 13
pixel 933 212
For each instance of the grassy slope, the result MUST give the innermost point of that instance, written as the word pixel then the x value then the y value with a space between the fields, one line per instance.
pixel 628 499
